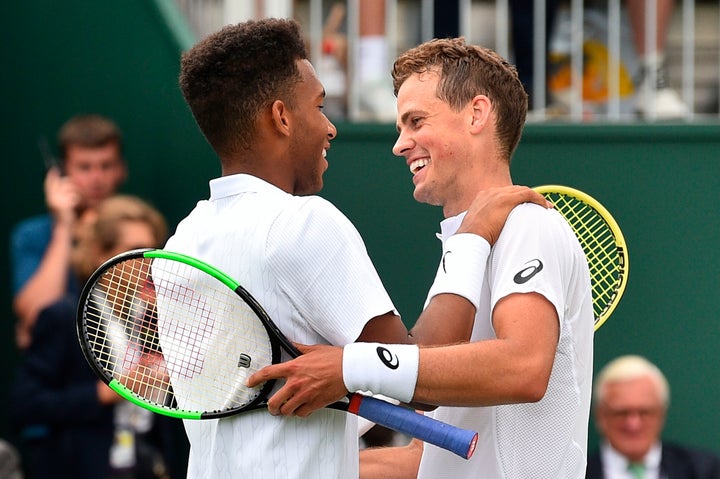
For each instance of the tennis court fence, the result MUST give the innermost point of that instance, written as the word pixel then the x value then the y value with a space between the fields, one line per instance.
pixel 590 71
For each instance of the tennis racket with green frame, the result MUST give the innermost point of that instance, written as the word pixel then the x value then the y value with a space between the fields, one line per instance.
pixel 603 243
pixel 175 335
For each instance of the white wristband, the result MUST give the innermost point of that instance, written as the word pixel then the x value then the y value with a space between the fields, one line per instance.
pixel 462 268
pixel 388 369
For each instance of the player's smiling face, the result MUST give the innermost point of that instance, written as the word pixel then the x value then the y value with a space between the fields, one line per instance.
pixel 430 135
pixel 311 134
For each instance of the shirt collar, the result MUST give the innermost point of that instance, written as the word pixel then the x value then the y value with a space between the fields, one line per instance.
pixel 450 225
pixel 615 461
pixel 652 459
pixel 240 183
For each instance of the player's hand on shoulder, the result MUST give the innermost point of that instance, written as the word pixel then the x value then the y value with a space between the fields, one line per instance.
pixel 490 208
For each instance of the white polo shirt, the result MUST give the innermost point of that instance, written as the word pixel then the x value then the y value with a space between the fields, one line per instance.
pixel 536 252
pixel 306 264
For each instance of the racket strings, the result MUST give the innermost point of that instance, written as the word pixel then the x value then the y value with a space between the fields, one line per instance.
pixel 175 336
pixel 213 338
pixel 121 327
pixel 599 243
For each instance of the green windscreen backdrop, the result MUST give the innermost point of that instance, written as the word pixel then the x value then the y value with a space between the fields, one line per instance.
pixel 661 182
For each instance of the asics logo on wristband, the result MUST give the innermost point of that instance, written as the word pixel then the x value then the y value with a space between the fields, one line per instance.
pixel 535 266
pixel 388 359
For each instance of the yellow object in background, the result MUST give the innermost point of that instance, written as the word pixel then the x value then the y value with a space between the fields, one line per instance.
pixel 596 66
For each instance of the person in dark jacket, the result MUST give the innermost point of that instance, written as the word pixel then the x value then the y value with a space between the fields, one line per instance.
pixel 630 403
pixel 71 425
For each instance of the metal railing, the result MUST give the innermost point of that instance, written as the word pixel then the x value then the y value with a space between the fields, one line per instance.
pixel 589 45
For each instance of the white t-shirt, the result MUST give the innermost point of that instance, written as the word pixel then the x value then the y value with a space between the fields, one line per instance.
pixel 307 266
pixel 536 252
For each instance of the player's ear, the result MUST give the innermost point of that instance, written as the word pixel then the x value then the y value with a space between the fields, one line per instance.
pixel 280 117
pixel 481 108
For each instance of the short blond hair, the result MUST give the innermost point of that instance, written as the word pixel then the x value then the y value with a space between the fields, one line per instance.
pixel 626 368
pixel 101 232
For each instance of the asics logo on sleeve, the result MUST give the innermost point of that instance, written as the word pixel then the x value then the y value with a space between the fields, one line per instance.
pixel 388 359
pixel 524 275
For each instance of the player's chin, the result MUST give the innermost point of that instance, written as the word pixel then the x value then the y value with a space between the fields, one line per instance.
pixel 420 195
pixel 317 180
pixel 310 188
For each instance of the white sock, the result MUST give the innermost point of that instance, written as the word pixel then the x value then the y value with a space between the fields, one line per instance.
pixel 653 60
pixel 372 58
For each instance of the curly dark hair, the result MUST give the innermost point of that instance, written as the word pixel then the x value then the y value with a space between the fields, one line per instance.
pixel 231 75
pixel 466 71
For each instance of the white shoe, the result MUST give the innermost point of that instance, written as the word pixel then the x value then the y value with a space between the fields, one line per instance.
pixel 658 101
pixel 377 103
pixel 663 104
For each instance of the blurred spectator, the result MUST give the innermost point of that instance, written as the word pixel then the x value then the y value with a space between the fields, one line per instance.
pixel 522 29
pixel 372 68
pixel 377 101
pixel 630 402
pixel 90 168
pixel 655 98
pixel 70 423
pixel 332 68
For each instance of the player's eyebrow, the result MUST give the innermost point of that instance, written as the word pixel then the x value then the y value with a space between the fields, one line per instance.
pixel 405 116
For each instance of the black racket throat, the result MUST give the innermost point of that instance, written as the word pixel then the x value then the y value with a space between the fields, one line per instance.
pixel 271 328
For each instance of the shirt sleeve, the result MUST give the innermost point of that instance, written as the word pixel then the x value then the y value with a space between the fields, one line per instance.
pixel 533 254
pixel 28 243
pixel 322 264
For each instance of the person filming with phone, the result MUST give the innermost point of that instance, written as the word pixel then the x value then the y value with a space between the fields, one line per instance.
pixel 90 168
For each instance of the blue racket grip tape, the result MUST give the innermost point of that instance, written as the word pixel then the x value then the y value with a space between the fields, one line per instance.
pixel 460 441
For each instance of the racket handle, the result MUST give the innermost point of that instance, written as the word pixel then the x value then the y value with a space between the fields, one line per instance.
pixel 460 441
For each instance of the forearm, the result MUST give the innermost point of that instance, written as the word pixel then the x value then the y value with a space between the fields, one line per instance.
pixel 478 374
pixel 49 282
pixel 513 367
pixel 455 294
pixel 391 462
pixel 448 319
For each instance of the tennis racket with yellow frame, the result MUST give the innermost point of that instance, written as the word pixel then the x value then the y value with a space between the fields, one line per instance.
pixel 603 243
